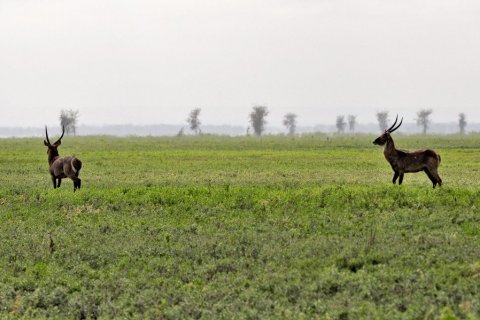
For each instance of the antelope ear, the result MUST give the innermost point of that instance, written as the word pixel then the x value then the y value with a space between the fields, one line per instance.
pixel 45 143
pixel 57 143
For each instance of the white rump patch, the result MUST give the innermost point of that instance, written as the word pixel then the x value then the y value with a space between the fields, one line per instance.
pixel 73 167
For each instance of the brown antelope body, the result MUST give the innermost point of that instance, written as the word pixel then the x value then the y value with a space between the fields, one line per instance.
pixel 66 167
pixel 403 162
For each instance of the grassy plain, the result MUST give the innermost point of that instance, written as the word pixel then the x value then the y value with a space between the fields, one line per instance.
pixel 219 227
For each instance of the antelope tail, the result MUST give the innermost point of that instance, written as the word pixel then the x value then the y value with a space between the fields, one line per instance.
pixel 76 165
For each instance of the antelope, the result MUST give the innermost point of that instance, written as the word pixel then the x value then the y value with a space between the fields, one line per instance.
pixel 403 161
pixel 67 167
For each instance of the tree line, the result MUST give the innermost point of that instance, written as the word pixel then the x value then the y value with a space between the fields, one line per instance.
pixel 423 120
pixel 258 121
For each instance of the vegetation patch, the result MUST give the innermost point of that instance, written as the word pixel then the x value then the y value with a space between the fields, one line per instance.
pixel 221 227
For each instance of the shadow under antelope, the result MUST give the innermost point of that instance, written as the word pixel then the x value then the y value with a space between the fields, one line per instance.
pixel 66 167
pixel 403 162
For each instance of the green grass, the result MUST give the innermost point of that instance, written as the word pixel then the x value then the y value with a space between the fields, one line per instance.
pixel 219 227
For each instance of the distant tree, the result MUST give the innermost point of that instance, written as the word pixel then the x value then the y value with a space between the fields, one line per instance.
pixel 352 122
pixel 423 119
pixel 382 118
pixel 341 124
pixel 248 131
pixel 194 121
pixel 257 119
pixel 181 132
pixel 462 122
pixel 68 120
pixel 290 121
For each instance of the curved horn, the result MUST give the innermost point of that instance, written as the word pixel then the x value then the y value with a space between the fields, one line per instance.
pixel 393 125
pixel 46 135
pixel 397 126
pixel 63 132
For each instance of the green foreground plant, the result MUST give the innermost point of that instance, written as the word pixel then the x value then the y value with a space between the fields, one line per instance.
pixel 218 227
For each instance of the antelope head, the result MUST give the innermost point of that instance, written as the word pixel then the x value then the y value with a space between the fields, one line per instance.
pixel 52 148
pixel 382 140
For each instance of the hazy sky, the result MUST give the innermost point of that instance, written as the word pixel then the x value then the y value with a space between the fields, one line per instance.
pixel 151 61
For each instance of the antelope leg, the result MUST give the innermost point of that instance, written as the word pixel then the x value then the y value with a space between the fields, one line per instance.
pixel 395 176
pixel 400 180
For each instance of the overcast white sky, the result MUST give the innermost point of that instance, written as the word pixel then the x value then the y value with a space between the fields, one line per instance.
pixel 151 61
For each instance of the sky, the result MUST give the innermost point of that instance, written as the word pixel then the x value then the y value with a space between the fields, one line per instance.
pixel 152 61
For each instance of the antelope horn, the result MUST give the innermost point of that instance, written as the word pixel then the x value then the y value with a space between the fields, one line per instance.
pixel 393 125
pixel 397 126
pixel 46 135
pixel 63 132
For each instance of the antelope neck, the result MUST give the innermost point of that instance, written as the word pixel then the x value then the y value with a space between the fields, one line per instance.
pixel 52 157
pixel 389 149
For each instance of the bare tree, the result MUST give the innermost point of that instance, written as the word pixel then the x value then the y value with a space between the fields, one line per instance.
pixel 194 121
pixel 180 132
pixel 257 119
pixel 68 120
pixel 382 118
pixel 423 119
pixel 290 121
pixel 341 124
pixel 352 122
pixel 462 122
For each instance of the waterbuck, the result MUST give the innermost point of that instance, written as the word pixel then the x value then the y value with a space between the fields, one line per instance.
pixel 67 167
pixel 402 161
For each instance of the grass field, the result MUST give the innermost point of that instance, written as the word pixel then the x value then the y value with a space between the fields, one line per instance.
pixel 248 228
